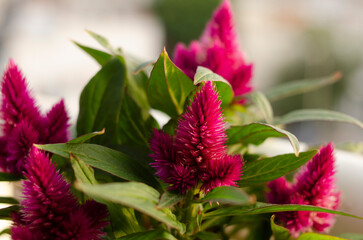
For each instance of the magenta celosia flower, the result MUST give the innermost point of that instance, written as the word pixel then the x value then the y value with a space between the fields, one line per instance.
pixel 198 152
pixel 217 49
pixel 314 185
pixel 22 124
pixel 50 210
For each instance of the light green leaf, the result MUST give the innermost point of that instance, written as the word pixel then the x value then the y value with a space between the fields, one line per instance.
pixel 268 169
pixel 298 87
pixel 260 208
pixel 169 199
pixel 227 194
pixel 82 171
pixel 261 102
pixel 168 87
pixel 257 133
pixel 106 159
pixel 351 236
pixel 317 115
pixel 101 57
pixel 8 200
pixel 85 137
pixel 317 236
pixel 134 195
pixel 102 41
pixel 149 235
pixel 9 177
pixel 224 88
pixel 279 232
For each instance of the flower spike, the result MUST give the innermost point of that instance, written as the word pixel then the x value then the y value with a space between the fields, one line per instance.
pixel 218 50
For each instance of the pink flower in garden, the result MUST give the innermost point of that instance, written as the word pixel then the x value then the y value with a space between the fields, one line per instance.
pixel 198 150
pixel 50 211
pixel 22 124
pixel 218 50
pixel 314 185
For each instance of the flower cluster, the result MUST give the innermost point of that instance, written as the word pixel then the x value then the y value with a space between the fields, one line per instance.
pixel 313 185
pixel 50 211
pixel 218 50
pixel 198 151
pixel 23 125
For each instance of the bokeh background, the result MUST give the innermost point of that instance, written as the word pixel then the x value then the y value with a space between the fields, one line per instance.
pixel 285 39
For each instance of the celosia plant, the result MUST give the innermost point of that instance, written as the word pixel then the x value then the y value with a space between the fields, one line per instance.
pixel 124 176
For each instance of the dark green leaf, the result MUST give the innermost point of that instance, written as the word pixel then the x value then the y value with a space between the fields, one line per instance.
pixel 268 169
pixel 298 87
pixel 207 236
pixel 5 213
pixel 264 106
pixel 224 88
pixel 101 57
pixel 106 159
pixel 8 177
pixel 5 231
pixel 227 194
pixel 260 208
pixel 135 195
pixel 105 103
pixel 85 137
pixel 257 133
pixel 169 199
pixel 168 87
pixel 8 200
pixel 317 115
pixel 149 235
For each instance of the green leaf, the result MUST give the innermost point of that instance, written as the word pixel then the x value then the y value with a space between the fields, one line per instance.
pixel 317 236
pixel 5 231
pixel 135 195
pixel 298 87
pixel 101 57
pixel 5 213
pixel 227 194
pixel 268 169
pixel 105 103
pixel 224 88
pixel 261 102
pixel 351 236
pixel 257 133
pixel 168 87
pixel 279 232
pixel 150 235
pixel 260 208
pixel 85 137
pixel 317 115
pixel 169 199
pixel 8 177
pixel 8 200
pixel 106 159
pixel 102 41
pixel 140 67
pixel 82 171
pixel 207 236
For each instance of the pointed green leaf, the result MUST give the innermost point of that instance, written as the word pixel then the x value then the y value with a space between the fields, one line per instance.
pixel 106 159
pixel 82 171
pixel 5 213
pixel 135 195
pixel 227 194
pixel 257 133
pixel 85 137
pixel 168 87
pixel 262 103
pixel 317 115
pixel 260 208
pixel 101 40
pixel 8 200
pixel 8 177
pixel 268 169
pixel 298 87
pixel 169 199
pixel 224 88
pixel 279 233
pixel 149 235
pixel 101 57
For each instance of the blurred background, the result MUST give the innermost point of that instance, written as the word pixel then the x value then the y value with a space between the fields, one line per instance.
pixel 286 41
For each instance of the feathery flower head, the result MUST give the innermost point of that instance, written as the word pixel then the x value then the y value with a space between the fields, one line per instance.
pixel 22 124
pixel 198 151
pixel 50 208
pixel 218 50
pixel 314 184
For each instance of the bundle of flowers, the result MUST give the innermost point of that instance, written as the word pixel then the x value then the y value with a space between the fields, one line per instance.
pixel 126 177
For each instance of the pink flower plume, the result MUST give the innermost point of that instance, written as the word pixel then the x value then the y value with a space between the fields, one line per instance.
pixel 218 50
pixel 314 184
